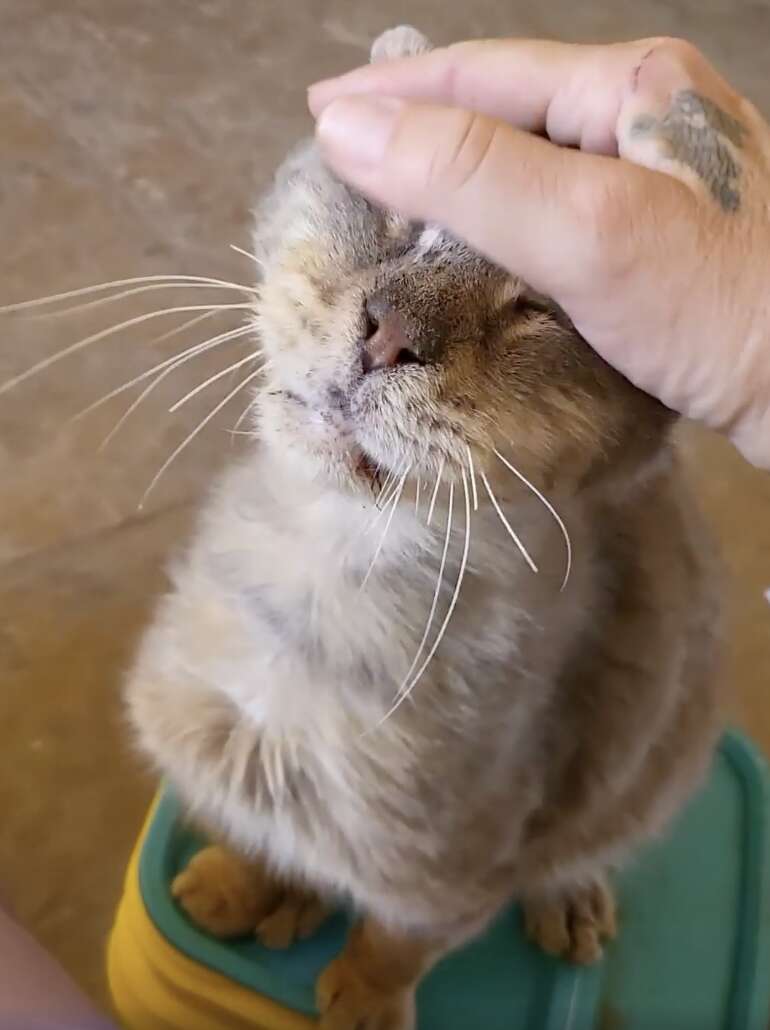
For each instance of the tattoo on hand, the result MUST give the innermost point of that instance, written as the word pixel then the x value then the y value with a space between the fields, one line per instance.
pixel 697 133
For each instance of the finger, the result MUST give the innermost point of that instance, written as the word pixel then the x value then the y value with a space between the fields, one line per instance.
pixel 569 91
pixel 549 214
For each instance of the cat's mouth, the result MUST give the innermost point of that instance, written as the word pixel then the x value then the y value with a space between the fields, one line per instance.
pixel 368 470
pixel 333 414
pixel 365 466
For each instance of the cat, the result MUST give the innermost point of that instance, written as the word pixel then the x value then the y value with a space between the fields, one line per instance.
pixel 446 635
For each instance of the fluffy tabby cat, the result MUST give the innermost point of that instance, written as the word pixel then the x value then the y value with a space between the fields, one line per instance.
pixel 359 682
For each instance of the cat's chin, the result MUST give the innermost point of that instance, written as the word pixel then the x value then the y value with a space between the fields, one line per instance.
pixel 320 439
pixel 317 452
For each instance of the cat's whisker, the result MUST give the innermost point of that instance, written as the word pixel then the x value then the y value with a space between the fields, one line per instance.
pixel 163 280
pixel 473 479
pixel 137 400
pixel 147 391
pixel 506 524
pixel 191 436
pixel 458 584
pixel 213 379
pixel 74 348
pixel 384 486
pixel 417 490
pixel 101 301
pixel 455 594
pixel 174 361
pixel 236 430
pixel 382 507
pixel 195 320
pixel 402 691
pixel 380 545
pixel 247 254
pixel 544 500
pixel 387 491
pixel 432 507
pixel 371 523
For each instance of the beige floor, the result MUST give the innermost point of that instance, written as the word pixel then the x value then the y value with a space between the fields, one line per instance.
pixel 134 135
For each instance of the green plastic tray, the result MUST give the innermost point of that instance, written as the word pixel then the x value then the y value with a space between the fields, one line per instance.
pixel 693 952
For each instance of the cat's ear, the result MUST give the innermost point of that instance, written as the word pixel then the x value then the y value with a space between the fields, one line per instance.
pixel 403 41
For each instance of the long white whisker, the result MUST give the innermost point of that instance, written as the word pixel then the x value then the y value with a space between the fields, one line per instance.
pixel 384 496
pixel 380 545
pixel 73 348
pixel 195 320
pixel 101 301
pixel 473 479
pixel 268 363
pixel 455 595
pixel 386 493
pixel 213 379
pixel 54 298
pixel 191 436
pixel 458 585
pixel 417 490
pixel 241 418
pixel 511 532
pixel 432 507
pixel 544 500
pixel 247 254
pixel 382 492
pixel 175 360
pixel 186 356
pixel 402 690
pixel 369 524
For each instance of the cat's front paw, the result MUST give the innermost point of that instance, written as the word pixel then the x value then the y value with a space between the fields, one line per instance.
pixel 347 1002
pixel 223 894
pixel 402 41
pixel 297 916
pixel 573 924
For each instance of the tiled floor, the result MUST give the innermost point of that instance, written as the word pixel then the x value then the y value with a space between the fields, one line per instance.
pixel 135 136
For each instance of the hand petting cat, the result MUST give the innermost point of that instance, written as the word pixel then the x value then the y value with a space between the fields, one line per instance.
pixel 661 259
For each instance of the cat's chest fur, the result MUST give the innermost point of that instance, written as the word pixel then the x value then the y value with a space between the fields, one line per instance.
pixel 274 627
pixel 332 598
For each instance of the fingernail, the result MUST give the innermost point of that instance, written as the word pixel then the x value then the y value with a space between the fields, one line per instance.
pixel 358 129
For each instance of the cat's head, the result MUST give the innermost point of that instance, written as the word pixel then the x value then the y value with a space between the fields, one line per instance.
pixel 393 346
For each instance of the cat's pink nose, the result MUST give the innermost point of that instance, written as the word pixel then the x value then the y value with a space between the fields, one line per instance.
pixel 386 342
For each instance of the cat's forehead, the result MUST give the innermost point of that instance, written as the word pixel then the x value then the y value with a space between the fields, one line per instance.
pixel 323 207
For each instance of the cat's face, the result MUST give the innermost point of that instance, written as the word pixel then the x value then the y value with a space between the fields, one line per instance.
pixel 395 347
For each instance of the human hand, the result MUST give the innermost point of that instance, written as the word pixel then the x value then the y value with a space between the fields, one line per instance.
pixel 661 259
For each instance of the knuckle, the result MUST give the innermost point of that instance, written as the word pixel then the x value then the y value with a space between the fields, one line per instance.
pixel 685 53
pixel 461 157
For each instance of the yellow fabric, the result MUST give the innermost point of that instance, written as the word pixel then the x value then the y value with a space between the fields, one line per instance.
pixel 156 987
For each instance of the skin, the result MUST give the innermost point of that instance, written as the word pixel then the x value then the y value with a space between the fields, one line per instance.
pixel 661 258
pixel 35 992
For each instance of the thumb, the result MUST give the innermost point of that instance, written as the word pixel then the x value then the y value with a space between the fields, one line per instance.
pixel 553 216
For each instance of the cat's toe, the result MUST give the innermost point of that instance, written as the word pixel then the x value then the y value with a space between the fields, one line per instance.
pixel 574 924
pixel 346 1002
pixel 221 894
pixel 298 915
